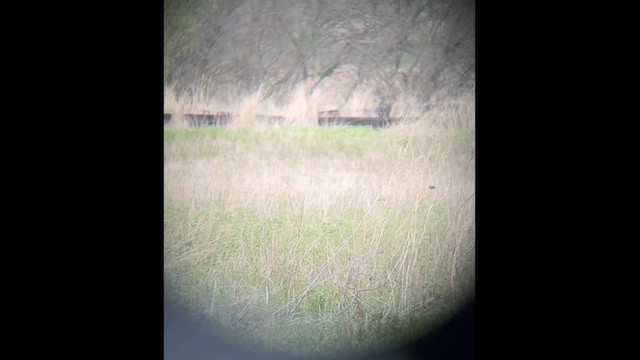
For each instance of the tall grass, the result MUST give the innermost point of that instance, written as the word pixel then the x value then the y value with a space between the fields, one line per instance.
pixel 302 104
pixel 306 240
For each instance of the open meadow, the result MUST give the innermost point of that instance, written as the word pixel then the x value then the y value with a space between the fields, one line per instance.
pixel 307 239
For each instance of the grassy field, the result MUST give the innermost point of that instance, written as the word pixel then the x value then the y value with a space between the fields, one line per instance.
pixel 309 239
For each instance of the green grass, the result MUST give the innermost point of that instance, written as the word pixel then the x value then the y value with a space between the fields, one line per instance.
pixel 308 240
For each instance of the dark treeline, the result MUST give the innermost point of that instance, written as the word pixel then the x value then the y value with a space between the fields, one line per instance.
pixel 226 49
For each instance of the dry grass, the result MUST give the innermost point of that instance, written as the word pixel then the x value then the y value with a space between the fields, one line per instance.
pixel 190 104
pixel 302 108
pixel 309 239
pixel 359 100
pixel 303 104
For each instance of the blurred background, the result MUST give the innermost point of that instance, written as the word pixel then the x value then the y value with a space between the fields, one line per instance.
pixel 320 54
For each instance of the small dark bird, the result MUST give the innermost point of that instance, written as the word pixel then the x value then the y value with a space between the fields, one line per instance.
pixel 431 187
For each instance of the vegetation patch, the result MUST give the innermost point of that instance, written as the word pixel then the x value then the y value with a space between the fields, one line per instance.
pixel 312 239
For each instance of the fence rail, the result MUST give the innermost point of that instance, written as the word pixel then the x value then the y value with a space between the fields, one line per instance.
pixel 324 118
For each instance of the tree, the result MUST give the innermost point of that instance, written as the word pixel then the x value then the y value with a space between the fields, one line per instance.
pixel 230 48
